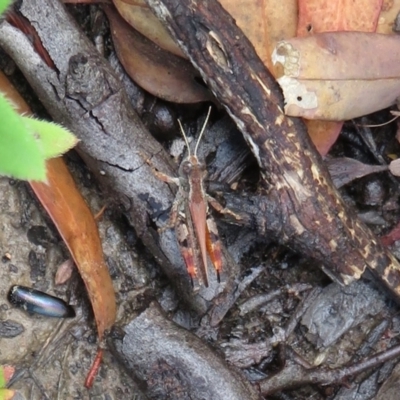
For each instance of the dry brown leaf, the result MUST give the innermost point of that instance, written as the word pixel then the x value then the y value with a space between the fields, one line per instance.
pixel 316 16
pixel 387 17
pixel 261 21
pixel 329 75
pixel 267 22
pixel 264 23
pixel 12 94
pixel 138 15
pixel 159 72
pixel 343 170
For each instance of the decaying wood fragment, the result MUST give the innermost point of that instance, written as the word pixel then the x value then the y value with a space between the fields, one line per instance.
pixel 314 219
pixel 297 373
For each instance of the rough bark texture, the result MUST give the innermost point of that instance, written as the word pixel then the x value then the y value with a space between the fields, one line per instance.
pixel 313 218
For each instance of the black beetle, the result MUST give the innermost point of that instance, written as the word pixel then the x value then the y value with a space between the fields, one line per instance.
pixel 36 302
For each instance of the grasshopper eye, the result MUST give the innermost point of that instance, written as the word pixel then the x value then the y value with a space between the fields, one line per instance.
pixel 186 167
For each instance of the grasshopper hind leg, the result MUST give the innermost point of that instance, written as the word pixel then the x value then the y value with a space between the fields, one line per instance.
pixel 214 247
pixel 187 248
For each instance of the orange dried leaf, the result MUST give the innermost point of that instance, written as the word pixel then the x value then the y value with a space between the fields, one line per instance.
pixel 317 16
pixel 323 133
pixel 12 94
pixel 261 21
pixel 75 223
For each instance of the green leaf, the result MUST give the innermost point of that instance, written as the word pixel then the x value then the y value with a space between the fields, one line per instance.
pixel 20 153
pixel 55 139
pixel 6 394
pixel 3 5
pixel 6 372
pixel 3 380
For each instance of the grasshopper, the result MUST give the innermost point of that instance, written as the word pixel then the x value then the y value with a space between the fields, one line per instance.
pixel 196 230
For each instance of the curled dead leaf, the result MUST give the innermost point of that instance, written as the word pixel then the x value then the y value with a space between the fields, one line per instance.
pixel 76 225
pixel 159 72
pixel 323 133
pixel 261 22
pixel 138 15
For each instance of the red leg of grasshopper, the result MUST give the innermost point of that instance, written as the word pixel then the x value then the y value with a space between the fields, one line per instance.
pixel 214 246
pixel 187 246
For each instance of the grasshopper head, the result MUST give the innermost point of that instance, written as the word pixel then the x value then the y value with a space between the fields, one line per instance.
pixel 191 166
pixel 193 158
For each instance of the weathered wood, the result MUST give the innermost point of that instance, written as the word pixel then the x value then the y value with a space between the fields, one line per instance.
pixel 314 219
pixel 170 362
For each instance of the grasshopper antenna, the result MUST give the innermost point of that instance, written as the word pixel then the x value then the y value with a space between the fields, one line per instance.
pixel 184 136
pixel 202 130
pixel 201 133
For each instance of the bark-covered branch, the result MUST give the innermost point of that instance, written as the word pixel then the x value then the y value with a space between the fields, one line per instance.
pixel 313 218
pixel 173 363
